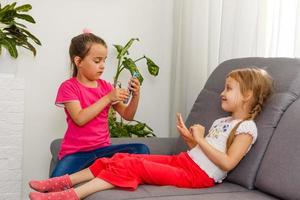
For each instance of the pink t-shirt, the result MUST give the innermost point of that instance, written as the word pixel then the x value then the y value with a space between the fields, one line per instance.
pixel 95 133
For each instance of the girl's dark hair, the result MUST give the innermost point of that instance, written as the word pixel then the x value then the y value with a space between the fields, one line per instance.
pixel 80 46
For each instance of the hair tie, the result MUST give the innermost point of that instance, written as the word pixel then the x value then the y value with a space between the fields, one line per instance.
pixel 86 31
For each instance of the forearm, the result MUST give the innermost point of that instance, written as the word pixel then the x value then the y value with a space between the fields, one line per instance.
pixel 219 158
pixel 87 114
pixel 131 109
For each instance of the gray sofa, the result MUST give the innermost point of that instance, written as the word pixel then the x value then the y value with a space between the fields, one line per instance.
pixel 271 170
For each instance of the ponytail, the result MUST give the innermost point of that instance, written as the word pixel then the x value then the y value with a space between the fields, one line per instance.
pixel 232 135
pixel 252 115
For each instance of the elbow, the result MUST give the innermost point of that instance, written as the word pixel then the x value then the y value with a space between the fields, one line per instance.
pixel 225 168
pixel 128 118
pixel 228 166
pixel 79 122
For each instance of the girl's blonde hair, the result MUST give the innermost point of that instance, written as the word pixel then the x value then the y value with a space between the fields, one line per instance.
pixel 260 83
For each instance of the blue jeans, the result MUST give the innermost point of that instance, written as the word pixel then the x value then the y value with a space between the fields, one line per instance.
pixel 75 162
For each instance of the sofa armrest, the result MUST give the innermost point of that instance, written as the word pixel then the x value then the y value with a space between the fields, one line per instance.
pixel 54 148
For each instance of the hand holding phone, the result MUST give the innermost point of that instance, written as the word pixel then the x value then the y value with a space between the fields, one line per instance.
pixel 134 75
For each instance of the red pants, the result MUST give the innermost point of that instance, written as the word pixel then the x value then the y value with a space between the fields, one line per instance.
pixel 130 170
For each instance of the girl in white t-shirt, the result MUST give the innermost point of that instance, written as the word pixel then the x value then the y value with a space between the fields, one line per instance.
pixel 208 160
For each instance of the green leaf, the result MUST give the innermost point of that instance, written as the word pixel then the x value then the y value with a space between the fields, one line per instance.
pixel 2 35
pixel 12 6
pixel 120 129
pixel 129 64
pixel 152 67
pixel 9 6
pixel 10 45
pixel 127 46
pixel 29 46
pixel 8 16
pixel 148 127
pixel 15 34
pixel 37 41
pixel 26 17
pixel 19 24
pixel 24 8
pixel 5 8
pixel 140 126
pixel 118 47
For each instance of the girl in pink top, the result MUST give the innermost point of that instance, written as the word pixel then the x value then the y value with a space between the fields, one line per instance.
pixel 86 100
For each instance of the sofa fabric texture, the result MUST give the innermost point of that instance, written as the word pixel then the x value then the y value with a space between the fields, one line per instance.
pixel 279 171
pixel 271 168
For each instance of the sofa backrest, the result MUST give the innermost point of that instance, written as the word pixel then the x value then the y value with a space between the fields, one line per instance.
pixel 278 173
pixel 286 74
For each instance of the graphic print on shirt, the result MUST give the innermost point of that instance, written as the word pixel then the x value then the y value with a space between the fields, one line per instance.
pixel 218 129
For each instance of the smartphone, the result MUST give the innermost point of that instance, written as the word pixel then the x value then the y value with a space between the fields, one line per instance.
pixel 134 75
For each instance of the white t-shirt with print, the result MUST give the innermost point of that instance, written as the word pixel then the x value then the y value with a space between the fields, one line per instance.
pixel 217 137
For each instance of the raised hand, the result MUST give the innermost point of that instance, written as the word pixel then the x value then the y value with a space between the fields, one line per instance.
pixel 134 86
pixel 197 132
pixel 184 132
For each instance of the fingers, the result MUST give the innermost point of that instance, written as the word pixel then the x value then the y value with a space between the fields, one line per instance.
pixel 180 120
pixel 180 129
pixel 135 81
pixel 134 84
pixel 195 127
pixel 121 94
pixel 197 131
pixel 177 118
pixel 185 134
pixel 118 94
pixel 183 131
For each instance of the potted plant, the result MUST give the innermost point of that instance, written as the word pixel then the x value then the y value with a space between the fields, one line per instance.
pixel 134 128
pixel 12 32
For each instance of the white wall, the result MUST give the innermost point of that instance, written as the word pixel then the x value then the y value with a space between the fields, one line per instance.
pixel 115 21
pixel 11 136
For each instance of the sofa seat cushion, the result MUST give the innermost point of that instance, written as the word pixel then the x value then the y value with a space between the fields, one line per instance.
pixel 155 192
pixel 224 191
pixel 219 196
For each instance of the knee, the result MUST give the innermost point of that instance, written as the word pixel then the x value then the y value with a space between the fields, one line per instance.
pixel 142 149
pixel 56 173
